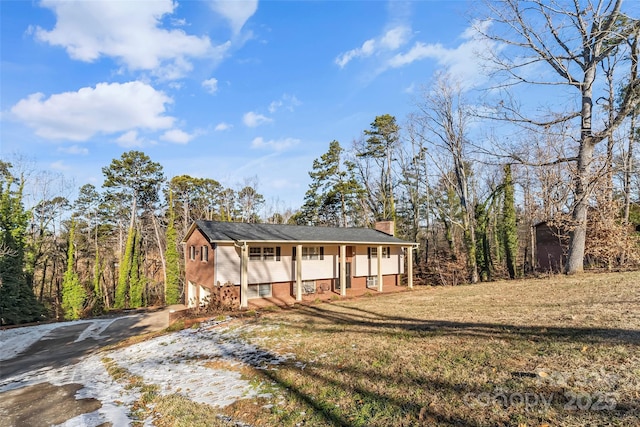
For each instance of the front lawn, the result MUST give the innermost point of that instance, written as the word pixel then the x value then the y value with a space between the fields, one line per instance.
pixel 554 351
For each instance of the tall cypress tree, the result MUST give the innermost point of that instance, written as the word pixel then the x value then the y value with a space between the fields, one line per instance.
pixel 73 293
pixel 510 229
pixel 172 286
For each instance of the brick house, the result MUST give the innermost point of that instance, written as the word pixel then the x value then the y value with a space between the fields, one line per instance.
pixel 282 264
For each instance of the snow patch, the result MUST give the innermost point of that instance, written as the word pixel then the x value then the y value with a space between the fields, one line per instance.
pixel 179 362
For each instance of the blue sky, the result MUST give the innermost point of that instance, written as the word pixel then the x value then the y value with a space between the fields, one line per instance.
pixel 224 90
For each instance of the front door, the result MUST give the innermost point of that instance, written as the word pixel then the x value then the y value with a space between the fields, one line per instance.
pixel 347 268
pixel 348 274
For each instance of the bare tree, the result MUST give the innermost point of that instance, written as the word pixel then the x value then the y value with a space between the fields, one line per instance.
pixel 446 119
pixel 571 39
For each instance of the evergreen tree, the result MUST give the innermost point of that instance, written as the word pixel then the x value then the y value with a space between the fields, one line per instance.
pixel 73 293
pixel 122 288
pixel 172 286
pixel 331 198
pixel 382 140
pixel 18 303
pixel 136 179
pixel 98 304
pixel 137 282
pixel 510 233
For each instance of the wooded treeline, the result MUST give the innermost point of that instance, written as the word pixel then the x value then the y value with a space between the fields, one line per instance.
pixel 449 175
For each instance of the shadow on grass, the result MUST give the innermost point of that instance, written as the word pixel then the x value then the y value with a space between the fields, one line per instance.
pixel 374 395
pixel 368 319
pixel 372 407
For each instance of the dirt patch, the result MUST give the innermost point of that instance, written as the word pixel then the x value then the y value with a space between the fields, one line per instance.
pixel 43 405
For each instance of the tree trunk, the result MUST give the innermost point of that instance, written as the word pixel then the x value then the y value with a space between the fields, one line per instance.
pixel 578 233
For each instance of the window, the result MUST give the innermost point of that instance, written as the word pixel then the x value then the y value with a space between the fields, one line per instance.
pixel 192 253
pixel 308 287
pixel 267 253
pixel 255 254
pixel 204 254
pixel 372 281
pixel 372 252
pixel 260 290
pixel 312 252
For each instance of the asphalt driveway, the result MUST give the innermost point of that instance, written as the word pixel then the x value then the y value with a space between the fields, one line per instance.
pixel 67 344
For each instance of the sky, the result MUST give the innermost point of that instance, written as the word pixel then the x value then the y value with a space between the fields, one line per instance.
pixel 237 91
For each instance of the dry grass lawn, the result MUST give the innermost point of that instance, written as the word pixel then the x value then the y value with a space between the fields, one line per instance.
pixel 554 351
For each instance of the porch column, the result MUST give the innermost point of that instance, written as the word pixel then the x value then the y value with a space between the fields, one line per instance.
pixel 343 270
pixel 244 275
pixel 410 267
pixel 379 268
pixel 299 273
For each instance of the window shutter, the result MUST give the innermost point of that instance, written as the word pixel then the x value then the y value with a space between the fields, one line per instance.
pixel 369 253
pixel 388 251
pixel 321 252
pixel 293 253
pixel 277 253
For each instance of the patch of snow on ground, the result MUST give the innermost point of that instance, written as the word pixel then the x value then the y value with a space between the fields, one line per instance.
pixel 176 362
pixel 15 341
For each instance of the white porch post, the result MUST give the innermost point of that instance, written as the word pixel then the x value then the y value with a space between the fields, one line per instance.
pixel 410 267
pixel 299 273
pixel 244 275
pixel 343 270
pixel 379 268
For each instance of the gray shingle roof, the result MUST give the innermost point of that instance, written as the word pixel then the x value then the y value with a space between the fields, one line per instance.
pixel 237 231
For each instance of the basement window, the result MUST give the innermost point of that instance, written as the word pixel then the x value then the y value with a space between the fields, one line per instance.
pixel 372 281
pixel 260 290
pixel 308 287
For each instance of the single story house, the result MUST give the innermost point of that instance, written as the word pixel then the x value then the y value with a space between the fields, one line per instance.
pixel 288 263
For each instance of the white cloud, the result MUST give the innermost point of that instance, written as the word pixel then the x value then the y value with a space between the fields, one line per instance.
pixel 211 85
pixel 391 40
pixel 223 126
pixel 274 144
pixel 75 150
pixel 288 102
pixel 252 119
pixel 130 140
pixel 236 12
pixel 410 89
pixel 417 52
pixel 129 31
pixel 108 108
pixel 177 136
pixel 59 166
pixel 395 38
pixel 463 62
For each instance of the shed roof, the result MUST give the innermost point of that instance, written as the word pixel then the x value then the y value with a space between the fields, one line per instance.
pixel 216 231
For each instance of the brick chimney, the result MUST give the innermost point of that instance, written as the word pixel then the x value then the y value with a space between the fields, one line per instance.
pixel 387 227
